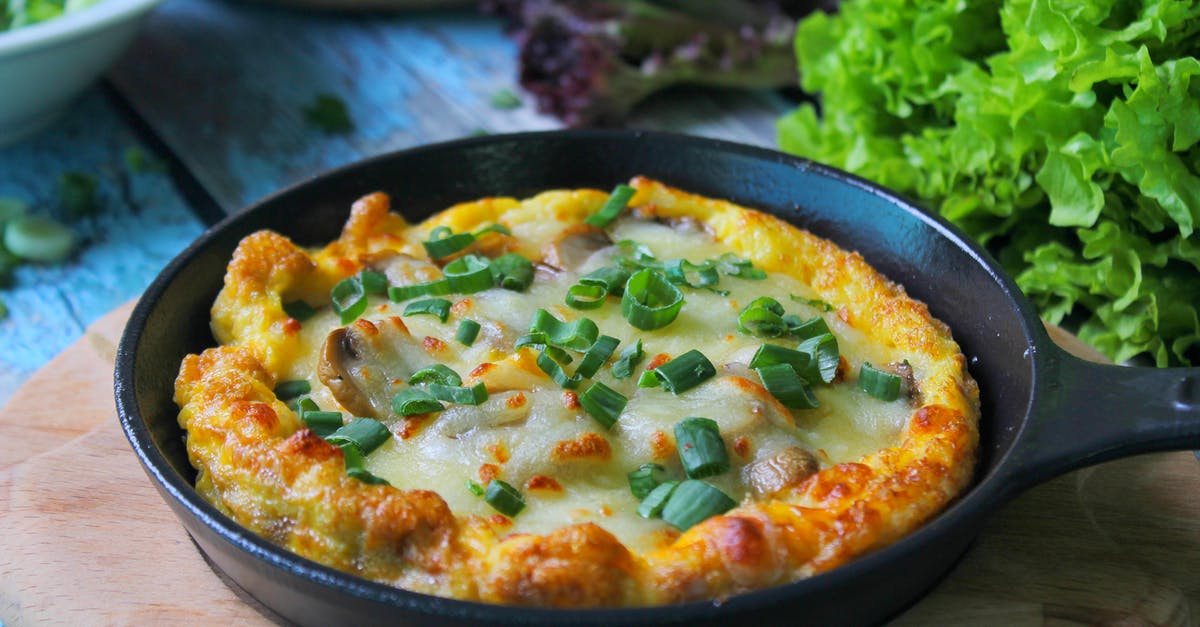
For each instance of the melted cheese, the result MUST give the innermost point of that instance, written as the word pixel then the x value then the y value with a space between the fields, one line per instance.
pixel 530 427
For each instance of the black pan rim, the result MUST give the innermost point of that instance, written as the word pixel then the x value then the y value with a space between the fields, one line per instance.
pixel 983 496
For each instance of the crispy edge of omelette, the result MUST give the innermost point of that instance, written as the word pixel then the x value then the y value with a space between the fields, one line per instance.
pixel 257 463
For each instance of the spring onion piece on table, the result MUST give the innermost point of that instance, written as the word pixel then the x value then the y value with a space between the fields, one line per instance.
pixel 882 385
pixel 437 373
pixel 467 331
pixel 603 403
pixel 785 384
pixel 612 208
pixel 650 300
pixel 414 401
pixel 469 274
pixel 823 349
pixel 504 498
pixel 349 299
pixel 701 448
pixel 652 505
pixel 373 282
pixel 628 360
pixel 512 272
pixel 682 373
pixel 40 239
pixel 367 434
pixel 643 480
pixel 287 390
pixel 473 395
pixel 299 310
pixel 694 502
pixel 438 307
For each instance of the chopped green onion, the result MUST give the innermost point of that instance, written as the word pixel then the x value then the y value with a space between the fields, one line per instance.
pixel 701 448
pixel 349 299
pixel 650 301
pixel 813 302
pixel 693 502
pixel 305 404
pixel 414 401
pixel 679 270
pixel 299 310
pixel 467 331
pixel 597 354
pixel 287 390
pixel 322 423
pixel 684 372
pixel 538 341
pixel 582 296
pixel 612 208
pixel 761 322
pixel 504 498
pixel 649 380
pixel 652 506
pixel 810 329
pixel 367 434
pixel 603 403
pixel 401 293
pixel 825 357
pixel 437 373
pixel 366 476
pixel 772 354
pixel 556 372
pixel 643 480
pixel 39 239
pixel 733 265
pixel 444 242
pixel 438 307
pixel 628 360
pixel 356 466
pixel 512 272
pixel 77 193
pixel 884 386
pixel 785 384
pixel 578 335
pixel 473 395
pixel 768 303
pixel 475 488
pixel 611 279
pixel 468 274
pixel 373 282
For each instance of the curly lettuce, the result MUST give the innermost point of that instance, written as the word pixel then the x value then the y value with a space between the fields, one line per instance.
pixel 1063 135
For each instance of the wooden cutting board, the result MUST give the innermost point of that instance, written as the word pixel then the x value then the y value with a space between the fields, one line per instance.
pixel 85 538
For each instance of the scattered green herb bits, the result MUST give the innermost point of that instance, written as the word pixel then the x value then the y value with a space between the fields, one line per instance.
pixel 693 502
pixel 879 384
pixel 504 498
pixel 643 480
pixel 701 448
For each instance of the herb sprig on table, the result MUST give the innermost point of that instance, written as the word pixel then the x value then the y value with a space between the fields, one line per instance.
pixel 1064 137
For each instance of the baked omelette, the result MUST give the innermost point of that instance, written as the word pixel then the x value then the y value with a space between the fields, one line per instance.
pixel 580 399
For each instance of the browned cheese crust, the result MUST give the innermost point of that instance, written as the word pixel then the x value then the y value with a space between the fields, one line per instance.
pixel 259 465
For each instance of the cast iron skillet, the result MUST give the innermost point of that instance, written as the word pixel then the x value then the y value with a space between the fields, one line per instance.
pixel 1044 412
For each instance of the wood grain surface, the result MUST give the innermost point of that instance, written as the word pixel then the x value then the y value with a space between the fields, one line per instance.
pixel 85 538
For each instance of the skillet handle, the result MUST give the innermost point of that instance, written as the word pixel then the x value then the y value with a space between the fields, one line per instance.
pixel 1089 413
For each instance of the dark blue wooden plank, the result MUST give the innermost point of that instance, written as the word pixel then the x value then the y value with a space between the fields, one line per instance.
pixel 141 224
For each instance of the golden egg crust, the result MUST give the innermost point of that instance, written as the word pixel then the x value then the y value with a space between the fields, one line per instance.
pixel 258 464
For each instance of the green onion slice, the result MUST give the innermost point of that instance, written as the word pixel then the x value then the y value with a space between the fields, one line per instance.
pixel 701 448
pixel 467 331
pixel 612 208
pixel 810 328
pixel 287 390
pixel 444 242
pixel 366 476
pixel 785 384
pixel 556 372
pixel 367 434
pixel 649 380
pixel 643 480
pixel 628 360
pixel 761 322
pixel 438 307
pixel 356 466
pixel 650 300
pixel 812 302
pixel 469 274
pixel 693 502
pixel 415 401
pixel 582 296
pixel 401 293
pixel 684 372
pixel 473 395
pixel 475 488
pixel 652 506
pixel 437 373
pixel 373 282
pixel 611 279
pixel 578 335
pixel 504 498
pixel 349 299
pixel 772 354
pixel 299 310
pixel 884 386
pixel 733 265
pixel 597 354
pixel 322 423
pixel 512 272
pixel 684 272
pixel 603 403
pixel 823 349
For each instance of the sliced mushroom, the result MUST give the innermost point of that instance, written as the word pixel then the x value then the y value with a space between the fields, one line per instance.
pixel 366 363
pixel 786 468
pixel 574 245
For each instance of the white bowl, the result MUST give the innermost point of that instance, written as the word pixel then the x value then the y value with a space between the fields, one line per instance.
pixel 43 67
